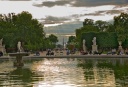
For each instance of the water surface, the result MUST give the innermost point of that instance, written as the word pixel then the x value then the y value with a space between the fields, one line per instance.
pixel 65 72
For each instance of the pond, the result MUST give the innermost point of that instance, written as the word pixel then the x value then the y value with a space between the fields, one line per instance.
pixel 65 72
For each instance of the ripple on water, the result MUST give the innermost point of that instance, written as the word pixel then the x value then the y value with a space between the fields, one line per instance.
pixel 65 72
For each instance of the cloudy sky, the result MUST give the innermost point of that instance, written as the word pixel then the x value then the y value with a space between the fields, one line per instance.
pixel 60 11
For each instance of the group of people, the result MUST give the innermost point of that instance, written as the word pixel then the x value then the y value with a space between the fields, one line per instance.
pixel 118 52
pixel 49 52
pixel 68 52
pixel 112 52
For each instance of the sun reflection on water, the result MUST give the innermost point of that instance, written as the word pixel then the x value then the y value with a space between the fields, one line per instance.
pixel 65 73
pixel 59 73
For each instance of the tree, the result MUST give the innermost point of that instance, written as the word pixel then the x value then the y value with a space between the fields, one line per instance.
pixel 53 38
pixel 121 26
pixel 21 27
pixel 111 28
pixel 71 39
pixel 88 22
pixel 72 42
pixel 7 30
pixel 102 25
pixel 51 41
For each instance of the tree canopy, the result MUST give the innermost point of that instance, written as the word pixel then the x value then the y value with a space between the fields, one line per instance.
pixel 121 26
pixel 21 27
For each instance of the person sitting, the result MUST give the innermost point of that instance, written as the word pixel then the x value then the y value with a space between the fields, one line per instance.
pixel 90 52
pixel 1 53
pixel 37 53
pixel 52 53
pixel 120 52
pixel 98 53
pixel 48 52
pixel 113 51
pixel 84 53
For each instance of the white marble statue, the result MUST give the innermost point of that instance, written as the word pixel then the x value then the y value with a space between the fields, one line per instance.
pixel 94 41
pixel 83 41
pixel 19 47
pixel 84 47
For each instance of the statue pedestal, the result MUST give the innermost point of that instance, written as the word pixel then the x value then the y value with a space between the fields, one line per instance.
pixel 19 62
pixel 120 45
pixel 120 48
pixel 94 48
pixel 2 48
pixel 84 49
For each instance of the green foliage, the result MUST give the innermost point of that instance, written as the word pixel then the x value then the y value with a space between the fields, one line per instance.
pixel 104 39
pixel 78 36
pixel 107 40
pixel 21 27
pixel 121 26
pixel 88 38
pixel 72 43
pixel 51 41
pixel 53 38
pixel 125 43
pixel 102 25
pixel 88 22
pixel 48 43
pixel 71 39
pixel 111 28
pixel 86 28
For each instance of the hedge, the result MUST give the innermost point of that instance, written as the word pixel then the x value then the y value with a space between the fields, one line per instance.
pixel 103 39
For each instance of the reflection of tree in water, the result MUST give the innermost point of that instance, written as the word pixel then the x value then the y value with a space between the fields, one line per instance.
pixel 120 70
pixel 119 67
pixel 24 75
pixel 87 66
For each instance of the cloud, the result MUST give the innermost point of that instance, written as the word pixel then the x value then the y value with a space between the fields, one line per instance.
pixel 52 3
pixel 59 3
pixel 98 13
pixel 114 11
pixel 54 20
pixel 81 3
pixel 94 12
pixel 75 3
